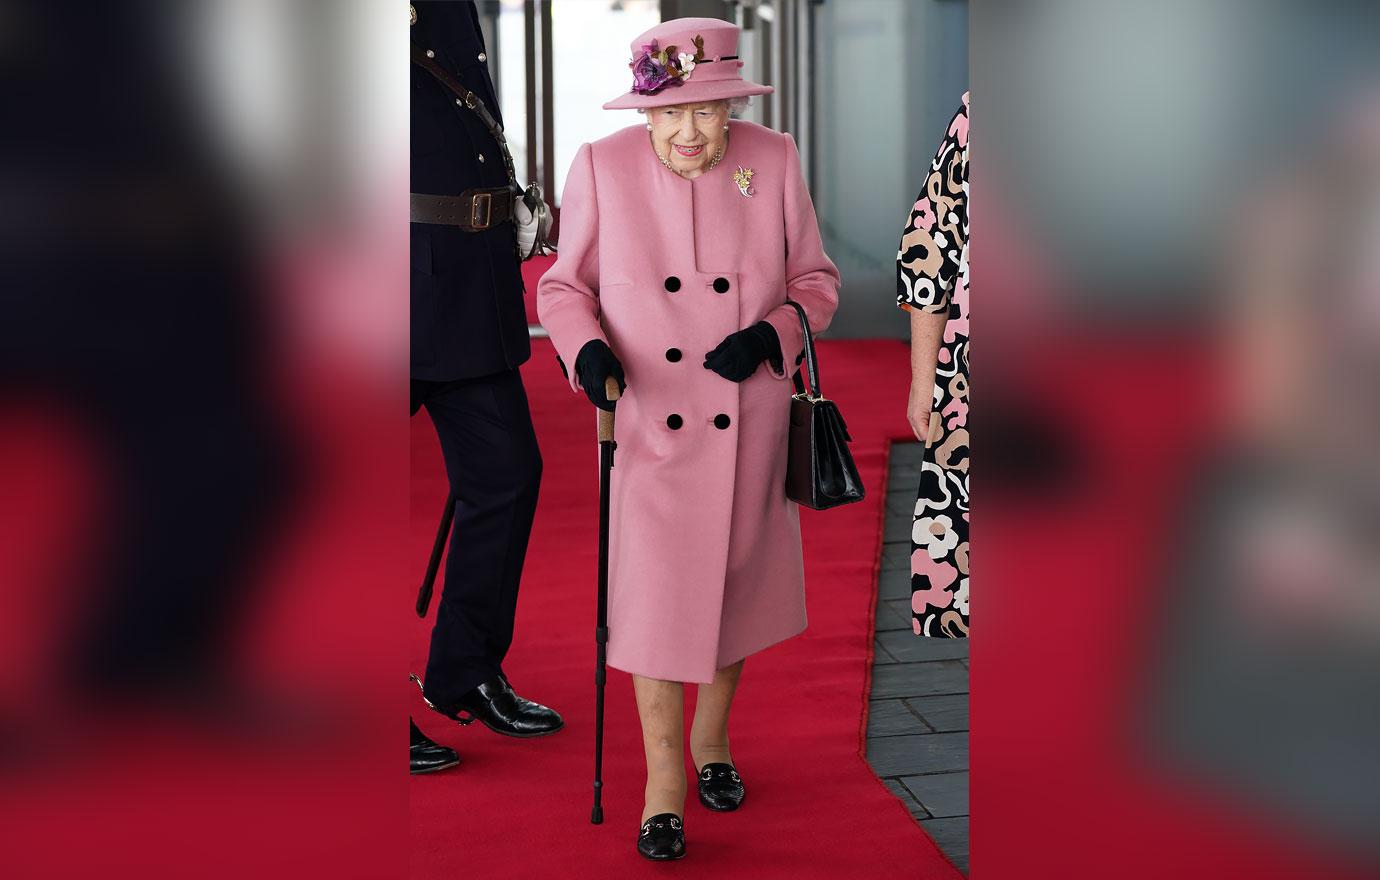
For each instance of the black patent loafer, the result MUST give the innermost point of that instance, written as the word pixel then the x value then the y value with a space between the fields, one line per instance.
pixel 428 756
pixel 721 788
pixel 498 707
pixel 662 838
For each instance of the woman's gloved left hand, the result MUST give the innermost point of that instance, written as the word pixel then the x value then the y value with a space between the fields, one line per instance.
pixel 739 355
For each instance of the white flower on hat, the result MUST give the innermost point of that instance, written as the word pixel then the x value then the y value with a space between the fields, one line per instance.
pixel 687 62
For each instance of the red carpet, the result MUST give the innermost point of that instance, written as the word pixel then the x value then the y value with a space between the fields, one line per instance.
pixel 815 809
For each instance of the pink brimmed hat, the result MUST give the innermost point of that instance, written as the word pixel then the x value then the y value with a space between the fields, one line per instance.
pixel 686 61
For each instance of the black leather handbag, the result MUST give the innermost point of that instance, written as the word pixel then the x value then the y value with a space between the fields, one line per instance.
pixel 820 472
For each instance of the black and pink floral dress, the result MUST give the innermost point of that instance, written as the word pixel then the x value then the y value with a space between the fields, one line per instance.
pixel 932 275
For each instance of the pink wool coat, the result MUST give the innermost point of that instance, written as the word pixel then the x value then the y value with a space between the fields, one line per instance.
pixel 704 555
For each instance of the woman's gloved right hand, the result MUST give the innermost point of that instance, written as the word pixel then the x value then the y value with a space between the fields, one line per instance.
pixel 595 363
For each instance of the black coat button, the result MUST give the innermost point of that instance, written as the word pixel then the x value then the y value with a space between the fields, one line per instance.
pixel 674 422
pixel 721 421
pixel 673 354
pixel 721 285
pixel 672 284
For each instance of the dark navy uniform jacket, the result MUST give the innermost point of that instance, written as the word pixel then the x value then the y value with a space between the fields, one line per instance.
pixel 468 317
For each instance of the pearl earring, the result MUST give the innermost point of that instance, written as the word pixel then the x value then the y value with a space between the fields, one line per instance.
pixel 725 126
pixel 649 126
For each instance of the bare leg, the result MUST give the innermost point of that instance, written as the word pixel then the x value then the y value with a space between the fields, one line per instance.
pixel 709 730
pixel 661 706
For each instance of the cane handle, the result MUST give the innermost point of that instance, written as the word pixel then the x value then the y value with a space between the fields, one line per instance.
pixel 605 417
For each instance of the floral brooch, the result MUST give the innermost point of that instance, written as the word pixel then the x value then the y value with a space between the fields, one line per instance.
pixel 743 177
pixel 655 68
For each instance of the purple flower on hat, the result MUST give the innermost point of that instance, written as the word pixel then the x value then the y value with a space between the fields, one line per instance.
pixel 656 68
pixel 649 73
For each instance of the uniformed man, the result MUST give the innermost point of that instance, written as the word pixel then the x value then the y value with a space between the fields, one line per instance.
pixel 469 335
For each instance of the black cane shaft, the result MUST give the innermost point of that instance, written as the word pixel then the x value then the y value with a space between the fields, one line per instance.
pixel 597 815
pixel 601 631
pixel 605 466
pixel 434 563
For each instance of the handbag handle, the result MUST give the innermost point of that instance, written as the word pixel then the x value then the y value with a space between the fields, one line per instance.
pixel 811 363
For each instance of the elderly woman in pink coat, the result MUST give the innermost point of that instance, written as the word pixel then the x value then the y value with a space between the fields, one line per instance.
pixel 681 241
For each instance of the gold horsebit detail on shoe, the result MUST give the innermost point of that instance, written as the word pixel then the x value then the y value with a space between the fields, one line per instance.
pixel 649 825
pixel 707 775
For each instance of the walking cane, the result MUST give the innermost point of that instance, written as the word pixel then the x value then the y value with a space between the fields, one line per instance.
pixel 601 625
pixel 442 533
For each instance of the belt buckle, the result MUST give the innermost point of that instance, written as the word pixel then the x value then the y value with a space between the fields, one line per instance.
pixel 485 199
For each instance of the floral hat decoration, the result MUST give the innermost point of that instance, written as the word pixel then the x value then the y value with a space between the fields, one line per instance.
pixel 686 61
pixel 654 68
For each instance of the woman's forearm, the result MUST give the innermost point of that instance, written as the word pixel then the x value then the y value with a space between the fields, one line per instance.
pixel 926 334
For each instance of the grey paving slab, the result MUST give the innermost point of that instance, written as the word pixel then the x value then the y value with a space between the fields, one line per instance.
pixel 903 482
pixel 907 647
pixel 917 810
pixel 896 556
pixel 905 460
pixel 918 753
pixel 911 453
pixel 919 679
pixel 893 615
pixel 893 718
pixel 906 484
pixel 952 837
pixel 900 608
pixel 943 713
pixel 880 655
pixel 894 584
pixel 943 795
pixel 906 453
pixel 902 503
pixel 899 524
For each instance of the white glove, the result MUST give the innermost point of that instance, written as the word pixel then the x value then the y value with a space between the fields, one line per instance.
pixel 531 228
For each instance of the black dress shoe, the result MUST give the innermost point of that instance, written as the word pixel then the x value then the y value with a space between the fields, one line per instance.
pixel 427 756
pixel 662 838
pixel 499 708
pixel 721 788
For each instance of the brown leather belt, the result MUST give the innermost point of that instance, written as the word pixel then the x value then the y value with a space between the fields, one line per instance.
pixel 474 210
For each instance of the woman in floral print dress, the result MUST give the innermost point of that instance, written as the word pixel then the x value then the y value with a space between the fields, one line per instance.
pixel 932 284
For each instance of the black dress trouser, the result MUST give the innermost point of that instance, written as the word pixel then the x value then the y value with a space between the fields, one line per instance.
pixel 494 469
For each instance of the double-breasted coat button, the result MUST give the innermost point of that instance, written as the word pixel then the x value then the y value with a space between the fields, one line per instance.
pixel 673 354
pixel 430 53
pixel 672 284
pixel 721 421
pixel 481 158
pixel 721 285
pixel 483 57
pixel 674 422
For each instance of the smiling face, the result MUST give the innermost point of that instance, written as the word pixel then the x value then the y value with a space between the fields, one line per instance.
pixel 689 135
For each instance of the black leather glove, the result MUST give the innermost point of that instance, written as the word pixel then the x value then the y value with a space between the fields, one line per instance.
pixel 738 356
pixel 593 365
